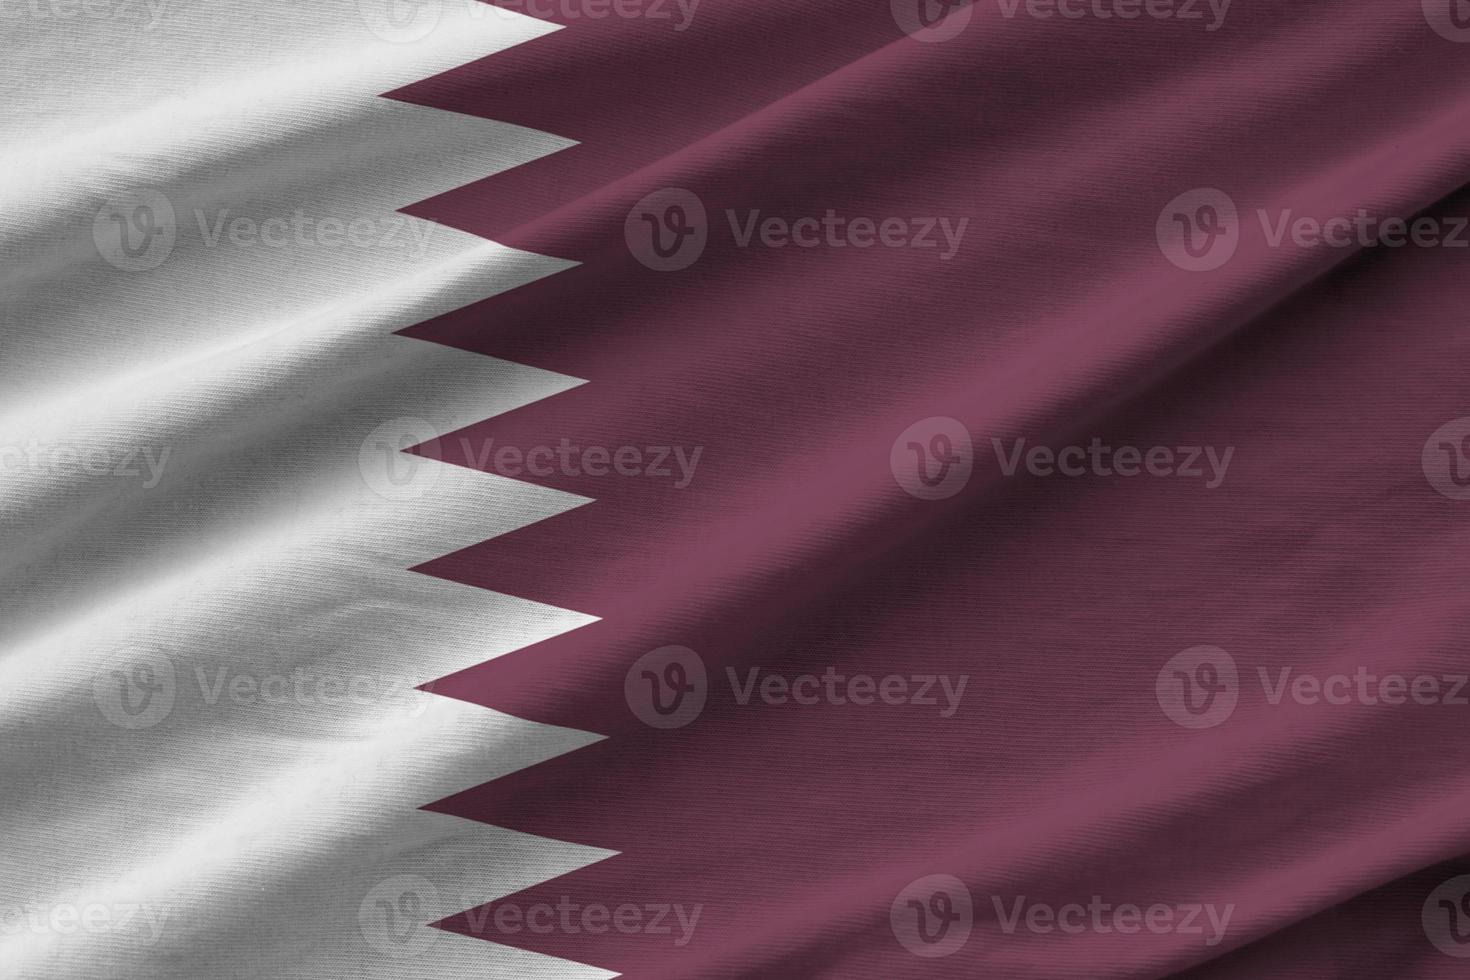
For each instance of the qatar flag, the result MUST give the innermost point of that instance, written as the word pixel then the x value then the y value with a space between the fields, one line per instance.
pixel 841 489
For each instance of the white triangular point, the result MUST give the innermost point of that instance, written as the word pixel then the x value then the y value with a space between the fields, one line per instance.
pixel 248 528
